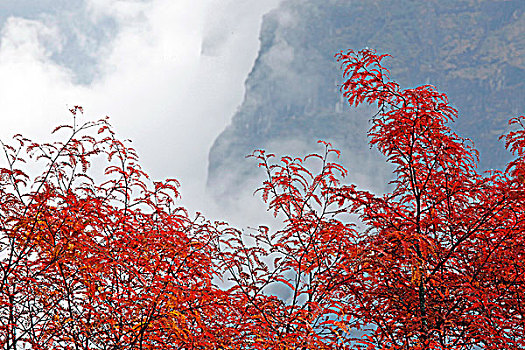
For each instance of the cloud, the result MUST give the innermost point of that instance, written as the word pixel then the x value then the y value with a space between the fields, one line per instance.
pixel 144 64
pixel 31 86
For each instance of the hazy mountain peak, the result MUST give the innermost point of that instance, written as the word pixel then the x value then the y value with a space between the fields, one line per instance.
pixel 472 50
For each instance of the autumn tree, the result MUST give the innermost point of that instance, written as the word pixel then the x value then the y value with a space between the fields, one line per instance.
pixel 443 255
pixel 112 264
pixel 436 263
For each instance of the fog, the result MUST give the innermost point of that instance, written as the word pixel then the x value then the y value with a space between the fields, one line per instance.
pixel 169 74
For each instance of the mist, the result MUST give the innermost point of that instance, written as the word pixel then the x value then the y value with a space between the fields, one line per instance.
pixel 169 74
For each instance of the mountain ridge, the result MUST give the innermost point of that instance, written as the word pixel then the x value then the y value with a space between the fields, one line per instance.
pixel 472 50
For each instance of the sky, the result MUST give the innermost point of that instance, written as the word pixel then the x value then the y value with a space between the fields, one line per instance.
pixel 169 73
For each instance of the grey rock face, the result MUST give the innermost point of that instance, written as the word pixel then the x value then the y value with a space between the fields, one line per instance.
pixel 472 50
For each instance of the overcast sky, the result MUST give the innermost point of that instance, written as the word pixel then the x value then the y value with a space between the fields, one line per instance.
pixel 169 73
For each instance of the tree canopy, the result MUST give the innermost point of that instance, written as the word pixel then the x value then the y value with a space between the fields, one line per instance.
pixel 109 261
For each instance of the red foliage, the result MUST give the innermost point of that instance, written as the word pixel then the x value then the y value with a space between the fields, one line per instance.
pixel 437 263
pixel 445 247
pixel 108 266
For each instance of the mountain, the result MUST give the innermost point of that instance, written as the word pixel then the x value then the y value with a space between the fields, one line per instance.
pixel 473 50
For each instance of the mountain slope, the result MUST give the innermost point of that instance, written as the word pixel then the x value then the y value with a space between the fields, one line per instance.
pixel 472 50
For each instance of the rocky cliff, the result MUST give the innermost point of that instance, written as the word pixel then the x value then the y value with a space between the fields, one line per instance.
pixel 473 50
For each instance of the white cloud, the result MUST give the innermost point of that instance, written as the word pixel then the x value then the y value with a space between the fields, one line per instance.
pixel 29 38
pixel 121 10
pixel 153 81
pixel 32 88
